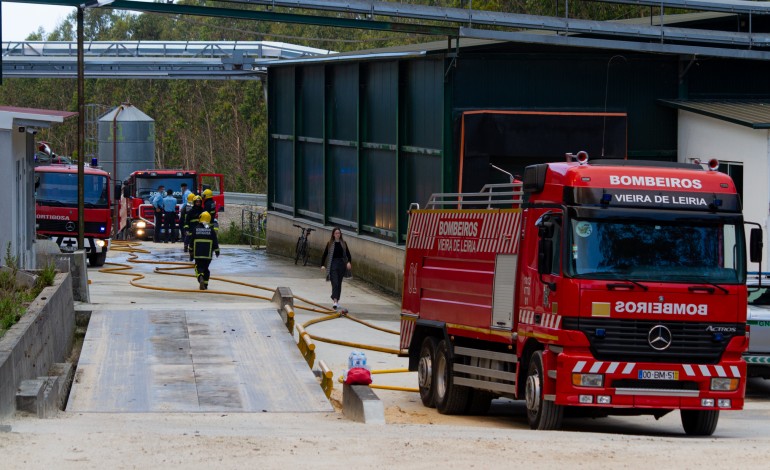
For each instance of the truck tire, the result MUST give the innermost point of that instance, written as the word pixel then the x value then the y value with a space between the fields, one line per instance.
pixel 699 422
pixel 96 260
pixel 542 415
pixel 451 399
pixel 425 372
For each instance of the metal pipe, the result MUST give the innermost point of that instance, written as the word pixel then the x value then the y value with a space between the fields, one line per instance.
pixel 115 197
pixel 81 134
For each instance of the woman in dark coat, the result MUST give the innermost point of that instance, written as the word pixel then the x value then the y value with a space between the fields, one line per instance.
pixel 336 261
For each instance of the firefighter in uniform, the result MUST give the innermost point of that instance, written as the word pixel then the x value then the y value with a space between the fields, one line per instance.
pixel 210 206
pixel 191 220
pixel 203 244
pixel 186 208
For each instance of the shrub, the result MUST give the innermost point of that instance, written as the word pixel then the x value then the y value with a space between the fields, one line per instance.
pixel 232 235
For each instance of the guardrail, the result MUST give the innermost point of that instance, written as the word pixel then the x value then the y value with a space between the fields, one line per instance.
pixel 246 199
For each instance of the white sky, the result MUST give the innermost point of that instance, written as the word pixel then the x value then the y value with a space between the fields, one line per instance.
pixel 22 19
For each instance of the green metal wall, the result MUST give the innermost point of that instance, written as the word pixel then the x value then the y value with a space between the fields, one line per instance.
pixel 579 81
pixel 355 143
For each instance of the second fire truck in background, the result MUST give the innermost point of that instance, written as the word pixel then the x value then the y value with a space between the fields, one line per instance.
pixel 140 187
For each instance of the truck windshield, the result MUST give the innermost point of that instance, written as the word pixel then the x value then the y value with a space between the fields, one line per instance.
pixel 61 189
pixel 657 251
pixel 147 187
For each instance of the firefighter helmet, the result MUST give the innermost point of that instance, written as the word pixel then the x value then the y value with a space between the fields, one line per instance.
pixel 190 198
pixel 197 198
pixel 207 194
pixel 205 217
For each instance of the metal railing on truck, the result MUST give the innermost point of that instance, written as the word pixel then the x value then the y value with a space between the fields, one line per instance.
pixel 502 195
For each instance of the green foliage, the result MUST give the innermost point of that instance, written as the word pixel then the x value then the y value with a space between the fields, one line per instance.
pixel 13 297
pixel 232 235
pixel 46 276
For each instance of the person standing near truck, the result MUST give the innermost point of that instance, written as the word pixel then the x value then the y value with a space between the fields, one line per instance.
pixel 157 204
pixel 192 219
pixel 187 204
pixel 203 244
pixel 169 215
pixel 210 206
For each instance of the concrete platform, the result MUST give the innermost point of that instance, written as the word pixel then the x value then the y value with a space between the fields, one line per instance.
pixel 184 360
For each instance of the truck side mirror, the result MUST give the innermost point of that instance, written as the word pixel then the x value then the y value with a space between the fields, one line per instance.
pixel 126 191
pixel 118 189
pixel 756 244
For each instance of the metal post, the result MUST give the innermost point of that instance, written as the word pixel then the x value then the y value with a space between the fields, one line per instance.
pixel 116 199
pixel 81 134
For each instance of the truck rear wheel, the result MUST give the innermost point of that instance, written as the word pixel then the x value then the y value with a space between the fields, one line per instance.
pixel 425 372
pixel 97 260
pixel 699 422
pixel 450 398
pixel 542 414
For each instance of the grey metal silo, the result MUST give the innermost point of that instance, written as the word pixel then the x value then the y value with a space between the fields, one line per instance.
pixel 134 147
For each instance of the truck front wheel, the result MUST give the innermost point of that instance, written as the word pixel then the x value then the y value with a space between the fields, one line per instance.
pixel 699 422
pixel 97 260
pixel 542 414
pixel 425 371
pixel 450 398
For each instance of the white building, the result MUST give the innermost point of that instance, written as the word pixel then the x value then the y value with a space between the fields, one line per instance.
pixel 17 171
pixel 737 133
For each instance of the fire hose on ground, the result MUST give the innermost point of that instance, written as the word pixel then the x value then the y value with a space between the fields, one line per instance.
pixel 133 250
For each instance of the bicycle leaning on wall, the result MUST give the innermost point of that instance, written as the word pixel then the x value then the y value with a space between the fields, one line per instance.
pixel 302 251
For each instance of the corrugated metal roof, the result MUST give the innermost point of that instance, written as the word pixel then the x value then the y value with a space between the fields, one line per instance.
pixel 447 45
pixel 749 113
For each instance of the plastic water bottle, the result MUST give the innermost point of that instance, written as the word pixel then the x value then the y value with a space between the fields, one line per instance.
pixel 357 359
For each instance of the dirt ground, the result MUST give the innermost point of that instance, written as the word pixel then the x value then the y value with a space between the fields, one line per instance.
pixel 410 439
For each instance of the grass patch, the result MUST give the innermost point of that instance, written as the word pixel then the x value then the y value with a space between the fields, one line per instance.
pixel 236 235
pixel 15 298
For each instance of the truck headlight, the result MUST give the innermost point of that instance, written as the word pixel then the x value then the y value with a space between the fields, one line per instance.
pixel 141 224
pixel 100 243
pixel 723 384
pixel 588 380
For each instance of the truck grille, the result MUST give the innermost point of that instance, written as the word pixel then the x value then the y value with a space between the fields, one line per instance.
pixel 626 340
pixel 655 384
pixel 61 226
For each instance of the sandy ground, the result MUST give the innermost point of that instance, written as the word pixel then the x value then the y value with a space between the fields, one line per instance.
pixel 414 436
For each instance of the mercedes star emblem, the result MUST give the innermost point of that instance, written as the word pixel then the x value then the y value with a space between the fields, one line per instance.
pixel 70 227
pixel 659 337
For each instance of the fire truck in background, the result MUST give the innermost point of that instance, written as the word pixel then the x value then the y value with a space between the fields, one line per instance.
pixel 141 186
pixel 615 287
pixel 56 207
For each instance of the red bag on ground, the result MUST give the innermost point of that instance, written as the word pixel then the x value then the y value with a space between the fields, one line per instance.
pixel 358 376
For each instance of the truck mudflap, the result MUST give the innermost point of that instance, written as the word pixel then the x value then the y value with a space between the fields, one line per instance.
pixel 586 381
pixel 408 323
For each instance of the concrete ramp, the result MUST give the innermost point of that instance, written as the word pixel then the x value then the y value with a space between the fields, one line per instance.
pixel 192 361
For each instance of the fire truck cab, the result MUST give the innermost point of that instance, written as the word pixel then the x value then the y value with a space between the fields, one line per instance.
pixel 56 206
pixel 141 186
pixel 610 287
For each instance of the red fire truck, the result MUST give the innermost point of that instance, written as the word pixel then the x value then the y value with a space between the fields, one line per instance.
pixel 141 186
pixel 56 206
pixel 615 287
